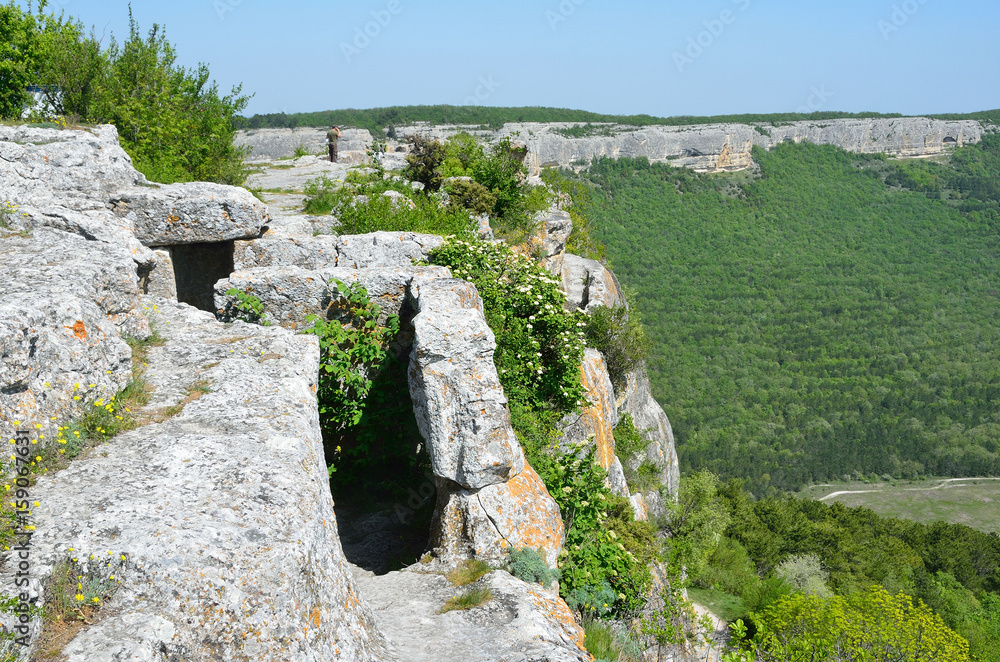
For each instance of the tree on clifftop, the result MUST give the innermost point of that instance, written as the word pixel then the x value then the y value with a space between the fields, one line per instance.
pixel 172 121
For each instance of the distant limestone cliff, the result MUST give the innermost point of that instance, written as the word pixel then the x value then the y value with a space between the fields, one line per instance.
pixel 702 147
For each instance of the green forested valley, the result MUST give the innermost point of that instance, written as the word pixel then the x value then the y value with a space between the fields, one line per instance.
pixel 827 315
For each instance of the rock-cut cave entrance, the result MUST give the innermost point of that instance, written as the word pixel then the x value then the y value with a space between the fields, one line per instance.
pixel 383 487
pixel 190 272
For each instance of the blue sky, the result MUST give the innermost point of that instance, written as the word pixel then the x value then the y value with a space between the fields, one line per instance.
pixel 700 57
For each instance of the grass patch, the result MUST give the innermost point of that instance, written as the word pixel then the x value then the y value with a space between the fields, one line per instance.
pixel 468 600
pixel 971 501
pixel 74 597
pixel 606 646
pixel 470 571
pixel 725 606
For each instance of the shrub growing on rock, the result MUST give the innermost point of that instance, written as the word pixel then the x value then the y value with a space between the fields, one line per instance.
pixel 424 162
pixel 471 196
pixel 529 565
pixel 618 333
pixel 539 344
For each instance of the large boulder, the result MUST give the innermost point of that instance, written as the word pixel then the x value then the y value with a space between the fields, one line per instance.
pixel 460 406
pixel 70 165
pixel 556 228
pixel 63 180
pixel 190 213
pixel 222 512
pixel 286 251
pixel 587 283
pixel 487 523
pixel 361 251
pixel 379 249
pixel 290 294
pixel 66 301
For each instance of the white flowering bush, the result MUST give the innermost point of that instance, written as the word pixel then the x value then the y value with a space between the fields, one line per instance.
pixel 604 564
pixel 539 344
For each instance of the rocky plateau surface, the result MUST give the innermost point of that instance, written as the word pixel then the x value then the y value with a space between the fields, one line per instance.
pixel 219 506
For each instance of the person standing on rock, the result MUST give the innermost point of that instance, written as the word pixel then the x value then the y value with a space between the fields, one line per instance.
pixel 332 136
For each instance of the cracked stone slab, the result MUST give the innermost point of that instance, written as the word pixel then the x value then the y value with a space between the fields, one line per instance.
pixel 522 623
pixel 223 512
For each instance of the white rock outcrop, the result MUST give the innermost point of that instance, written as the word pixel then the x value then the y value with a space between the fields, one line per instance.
pixel 223 512
pixel 65 303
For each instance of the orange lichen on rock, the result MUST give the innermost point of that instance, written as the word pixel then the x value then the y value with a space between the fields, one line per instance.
pixel 79 330
pixel 598 418
pixel 559 612
pixel 525 514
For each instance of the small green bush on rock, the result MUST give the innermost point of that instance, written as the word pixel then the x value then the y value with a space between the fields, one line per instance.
pixel 471 196
pixel 617 332
pixel 529 564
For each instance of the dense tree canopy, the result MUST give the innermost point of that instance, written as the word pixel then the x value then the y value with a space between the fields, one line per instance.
pixel 172 121
pixel 831 314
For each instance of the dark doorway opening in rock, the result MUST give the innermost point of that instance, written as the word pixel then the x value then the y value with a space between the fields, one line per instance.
pixel 383 487
pixel 197 267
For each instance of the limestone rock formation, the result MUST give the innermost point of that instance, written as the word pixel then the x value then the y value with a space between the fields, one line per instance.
pixel 588 283
pixel 556 228
pixel 597 419
pixel 65 301
pixel 384 249
pixel 63 180
pixel 488 498
pixel 487 523
pixel 522 623
pixel 282 143
pixel 649 419
pixel 290 294
pixel 720 147
pixel 460 406
pixel 223 511
pixel 188 213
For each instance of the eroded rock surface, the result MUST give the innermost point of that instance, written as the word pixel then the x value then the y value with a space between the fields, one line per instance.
pixel 459 404
pixel 223 512
pixel 596 421
pixel 587 283
pixel 650 420
pixel 487 523
pixel 64 304
pixel 189 213
pixel 522 623
pixel 64 179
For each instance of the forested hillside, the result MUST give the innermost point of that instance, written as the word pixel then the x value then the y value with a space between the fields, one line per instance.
pixel 830 314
